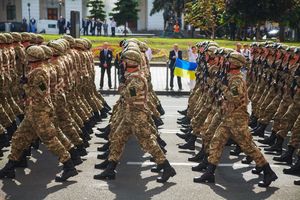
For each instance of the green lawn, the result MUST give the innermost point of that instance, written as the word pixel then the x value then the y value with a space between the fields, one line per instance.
pixel 159 46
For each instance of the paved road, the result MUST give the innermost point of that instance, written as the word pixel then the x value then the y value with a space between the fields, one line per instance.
pixel 134 179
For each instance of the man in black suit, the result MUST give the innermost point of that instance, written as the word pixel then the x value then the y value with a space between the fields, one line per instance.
pixel 85 26
pixel 105 64
pixel 61 23
pixel 93 26
pixel 175 53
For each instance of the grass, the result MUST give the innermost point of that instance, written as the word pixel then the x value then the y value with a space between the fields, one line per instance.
pixel 159 46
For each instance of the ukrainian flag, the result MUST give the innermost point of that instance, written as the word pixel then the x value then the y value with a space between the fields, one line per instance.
pixel 185 69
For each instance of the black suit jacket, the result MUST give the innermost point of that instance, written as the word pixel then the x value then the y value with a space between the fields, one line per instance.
pixel 172 60
pixel 105 59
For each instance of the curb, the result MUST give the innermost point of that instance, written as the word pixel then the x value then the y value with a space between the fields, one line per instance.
pixel 166 93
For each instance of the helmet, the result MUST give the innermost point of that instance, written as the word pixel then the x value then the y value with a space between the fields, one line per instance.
pixel 143 47
pixel 26 37
pixel 132 57
pixel 39 39
pixel 9 38
pixel 35 53
pixel 16 36
pixel 33 38
pixel 88 43
pixel 2 39
pixel 57 48
pixel 80 44
pixel 211 50
pixel 237 59
pixel 70 39
pixel 48 51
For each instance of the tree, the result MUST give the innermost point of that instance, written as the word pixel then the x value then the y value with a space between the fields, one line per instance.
pixel 97 10
pixel 125 11
pixel 205 14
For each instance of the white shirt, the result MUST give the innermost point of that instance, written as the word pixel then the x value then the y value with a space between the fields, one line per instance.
pixel 113 24
pixel 246 53
pixel 192 56
pixel 176 54
pixel 149 54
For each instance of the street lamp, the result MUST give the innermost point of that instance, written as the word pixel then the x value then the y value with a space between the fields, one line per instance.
pixel 28 5
pixel 60 3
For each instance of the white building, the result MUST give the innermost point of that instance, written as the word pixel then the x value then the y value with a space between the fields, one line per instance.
pixel 46 12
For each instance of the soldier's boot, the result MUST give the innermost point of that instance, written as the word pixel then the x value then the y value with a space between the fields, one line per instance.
pixel 236 152
pixel 20 117
pixel 97 116
pixel 161 142
pixel 230 142
pixel 109 173
pixel 247 160
pixel 182 119
pixel 27 152
pixel 208 176
pixel 186 126
pixel 190 144
pixel 201 166
pixel 69 170
pixel 286 156
pixel 260 131
pixel 81 150
pixel 199 156
pixel 184 122
pixel 4 142
pixel 182 112
pixel 1 154
pixel 297 182
pixel 85 134
pixel 107 106
pixel 157 121
pixel 88 127
pixel 269 176
pixel 168 172
pixel 103 135
pixel 105 147
pixel 103 129
pixel 160 109
pixel 269 140
pixel 294 169
pixel 36 144
pixel 157 168
pixel 8 171
pixel 22 162
pixel 103 156
pixel 183 136
pixel 253 122
pixel 256 127
pixel 102 165
pixel 257 170
pixel 277 147
pixel 103 113
pixel 186 130
pixel 75 156
pixel 11 129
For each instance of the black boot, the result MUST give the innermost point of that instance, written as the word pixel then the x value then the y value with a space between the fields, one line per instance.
pixel 182 112
pixel 201 166
pixel 103 129
pixel 247 160
pixel 253 122
pixel 190 145
pixel 36 144
pixel 236 152
pixel 11 129
pixel 297 182
pixel 109 172
pixel 105 147
pixel 102 165
pixel 208 176
pixel 255 128
pixel 103 156
pixel 103 112
pixel 81 150
pixel 97 116
pixel 230 142
pixel 107 106
pixel 260 131
pixel 1 154
pixel 157 168
pixel 277 147
pixel 75 156
pixel 69 170
pixel 183 136
pixel 20 117
pixel 184 121
pixel 187 130
pixel 88 127
pixel 8 171
pixel 286 156
pixel 161 142
pixel 22 162
pixel 157 121
pixel 186 126
pixel 4 142
pixel 168 172
pixel 294 169
pixel 103 135
pixel 269 140
pixel 160 109
pixel 257 170
pixel 199 156
pixel 269 176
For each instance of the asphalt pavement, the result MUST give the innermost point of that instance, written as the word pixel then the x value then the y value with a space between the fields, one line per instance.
pixel 134 179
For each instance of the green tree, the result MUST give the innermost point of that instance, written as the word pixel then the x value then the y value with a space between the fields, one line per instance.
pixel 97 9
pixel 175 5
pixel 125 11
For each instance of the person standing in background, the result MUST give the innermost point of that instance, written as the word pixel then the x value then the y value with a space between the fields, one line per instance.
pixel 105 58
pixel 193 55
pixel 239 47
pixel 85 26
pixel 32 25
pixel 174 54
pixel 113 25
pixel 105 28
pixel 99 27
pixel 61 23
pixel 93 26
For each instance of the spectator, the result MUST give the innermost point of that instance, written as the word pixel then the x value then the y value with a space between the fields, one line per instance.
pixel 232 27
pixel 119 64
pixel 246 52
pixel 174 54
pixel 85 26
pixel 99 27
pixel 68 29
pixel 239 47
pixel 113 26
pixel 93 26
pixel 24 25
pixel 61 23
pixel 105 28
pixel 176 30
pixel 193 55
pixel 149 54
pixel 105 58
pixel 32 25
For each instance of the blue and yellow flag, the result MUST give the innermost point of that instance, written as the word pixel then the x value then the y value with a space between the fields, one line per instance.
pixel 185 69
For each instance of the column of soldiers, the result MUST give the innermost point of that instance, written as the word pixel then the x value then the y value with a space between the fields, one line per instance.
pixel 48 95
pixel 137 112
pixel 217 107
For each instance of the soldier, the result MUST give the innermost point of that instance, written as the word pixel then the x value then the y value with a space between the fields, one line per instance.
pixel 234 125
pixel 37 121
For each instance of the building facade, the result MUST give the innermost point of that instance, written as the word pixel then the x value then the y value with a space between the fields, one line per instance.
pixel 46 12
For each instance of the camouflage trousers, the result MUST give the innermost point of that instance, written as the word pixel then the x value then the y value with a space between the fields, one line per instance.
pixel 8 109
pixel 267 101
pixel 281 110
pixel 236 129
pixel 16 109
pixel 251 90
pixel 270 110
pixel 295 137
pixel 256 109
pixel 143 131
pixel 37 124
pixel 201 116
pixel 4 118
pixel 2 129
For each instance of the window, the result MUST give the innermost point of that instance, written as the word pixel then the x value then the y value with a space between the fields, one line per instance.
pixel 11 12
pixel 52 13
